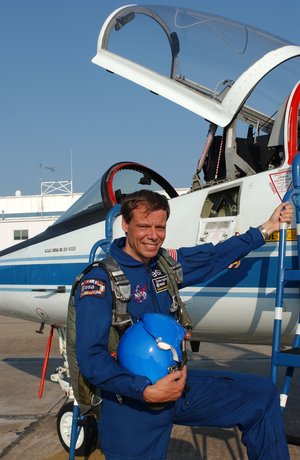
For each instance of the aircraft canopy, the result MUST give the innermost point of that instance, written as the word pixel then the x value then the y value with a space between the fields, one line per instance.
pixel 205 63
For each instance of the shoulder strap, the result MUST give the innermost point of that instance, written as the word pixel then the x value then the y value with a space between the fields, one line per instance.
pixel 173 269
pixel 174 265
pixel 120 289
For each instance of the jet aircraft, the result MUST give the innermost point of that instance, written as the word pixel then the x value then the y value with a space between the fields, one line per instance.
pixel 243 83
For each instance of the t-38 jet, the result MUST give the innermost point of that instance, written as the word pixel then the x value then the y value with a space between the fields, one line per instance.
pixel 243 84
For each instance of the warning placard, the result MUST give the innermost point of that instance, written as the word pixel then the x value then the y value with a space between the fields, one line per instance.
pixel 281 182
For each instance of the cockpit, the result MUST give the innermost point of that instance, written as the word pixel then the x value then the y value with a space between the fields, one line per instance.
pixel 117 182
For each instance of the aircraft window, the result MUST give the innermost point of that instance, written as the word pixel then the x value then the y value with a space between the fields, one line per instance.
pixel 180 42
pixel 221 204
pixel 90 200
pixel 270 92
pixel 153 50
pixel 128 177
pixel 264 112
pixel 118 181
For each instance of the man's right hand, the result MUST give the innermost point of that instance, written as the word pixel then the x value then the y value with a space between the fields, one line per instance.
pixel 166 389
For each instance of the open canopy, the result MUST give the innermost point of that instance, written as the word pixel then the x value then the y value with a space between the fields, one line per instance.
pixel 205 63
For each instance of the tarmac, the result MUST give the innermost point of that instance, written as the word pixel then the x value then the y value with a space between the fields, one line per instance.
pixel 28 424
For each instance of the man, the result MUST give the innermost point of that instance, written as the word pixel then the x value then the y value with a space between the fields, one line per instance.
pixel 129 427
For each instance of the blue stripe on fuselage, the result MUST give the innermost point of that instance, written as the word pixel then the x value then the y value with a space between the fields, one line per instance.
pixel 253 272
pixel 242 294
pixel 40 274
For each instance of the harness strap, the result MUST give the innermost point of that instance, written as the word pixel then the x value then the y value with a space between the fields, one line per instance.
pixel 121 293
pixel 120 287
pixel 175 277
pixel 174 265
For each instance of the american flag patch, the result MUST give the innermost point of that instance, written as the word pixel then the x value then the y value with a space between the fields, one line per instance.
pixel 92 287
pixel 173 253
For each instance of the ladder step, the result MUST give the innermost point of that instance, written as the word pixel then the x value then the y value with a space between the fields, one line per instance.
pixel 289 358
pixel 292 275
pixel 291 351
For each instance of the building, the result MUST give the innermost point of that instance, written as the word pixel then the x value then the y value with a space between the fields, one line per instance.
pixel 22 217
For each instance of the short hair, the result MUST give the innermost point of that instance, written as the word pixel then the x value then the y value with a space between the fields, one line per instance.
pixel 153 201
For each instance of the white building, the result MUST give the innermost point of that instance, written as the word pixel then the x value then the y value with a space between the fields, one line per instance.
pixel 22 217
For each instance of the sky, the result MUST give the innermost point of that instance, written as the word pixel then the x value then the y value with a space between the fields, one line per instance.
pixel 62 117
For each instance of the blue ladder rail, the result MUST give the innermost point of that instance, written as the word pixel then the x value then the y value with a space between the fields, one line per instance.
pixel 289 358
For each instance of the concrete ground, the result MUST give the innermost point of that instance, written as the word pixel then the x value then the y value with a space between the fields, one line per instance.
pixel 28 424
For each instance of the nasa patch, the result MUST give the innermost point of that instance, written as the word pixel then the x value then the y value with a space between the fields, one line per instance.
pixel 92 287
pixel 140 293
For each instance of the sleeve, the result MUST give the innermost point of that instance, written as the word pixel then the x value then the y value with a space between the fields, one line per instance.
pixel 93 301
pixel 202 262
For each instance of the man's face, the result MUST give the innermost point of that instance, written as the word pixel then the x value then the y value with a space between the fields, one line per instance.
pixel 146 232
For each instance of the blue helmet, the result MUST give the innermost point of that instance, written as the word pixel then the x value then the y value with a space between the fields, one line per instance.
pixel 152 346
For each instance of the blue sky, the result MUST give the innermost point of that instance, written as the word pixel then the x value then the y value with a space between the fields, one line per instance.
pixel 54 101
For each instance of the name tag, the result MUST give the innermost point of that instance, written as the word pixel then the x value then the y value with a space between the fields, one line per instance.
pixel 159 280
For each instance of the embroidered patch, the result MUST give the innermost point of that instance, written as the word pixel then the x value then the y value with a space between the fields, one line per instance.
pixel 140 293
pixel 159 280
pixel 172 253
pixel 92 287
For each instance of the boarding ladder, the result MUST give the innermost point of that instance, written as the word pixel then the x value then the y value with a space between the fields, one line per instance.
pixel 290 358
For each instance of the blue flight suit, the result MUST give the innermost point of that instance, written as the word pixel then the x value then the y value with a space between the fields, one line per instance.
pixel 129 429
